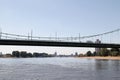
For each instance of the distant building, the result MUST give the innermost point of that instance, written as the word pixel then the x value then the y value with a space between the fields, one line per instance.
pixel 76 54
pixel 1 54
pixel 71 55
pixel 97 50
pixel 55 54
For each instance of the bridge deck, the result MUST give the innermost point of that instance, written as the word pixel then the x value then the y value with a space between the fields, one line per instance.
pixel 55 43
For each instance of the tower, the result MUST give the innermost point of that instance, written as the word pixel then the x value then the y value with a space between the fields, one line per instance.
pixel 97 50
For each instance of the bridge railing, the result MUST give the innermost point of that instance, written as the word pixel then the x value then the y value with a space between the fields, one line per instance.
pixel 88 39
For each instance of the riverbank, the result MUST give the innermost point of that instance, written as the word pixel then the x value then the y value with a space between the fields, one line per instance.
pixel 106 58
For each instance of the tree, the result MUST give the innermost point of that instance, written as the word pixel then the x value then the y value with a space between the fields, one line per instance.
pixel 94 54
pixel 23 54
pixel 43 55
pixel 29 55
pixel 115 52
pixel 89 53
pixel 35 54
pixel 16 54
pixel 104 52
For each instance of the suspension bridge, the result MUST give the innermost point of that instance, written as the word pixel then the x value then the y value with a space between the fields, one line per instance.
pixel 30 40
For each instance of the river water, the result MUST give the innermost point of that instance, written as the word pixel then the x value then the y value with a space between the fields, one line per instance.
pixel 58 69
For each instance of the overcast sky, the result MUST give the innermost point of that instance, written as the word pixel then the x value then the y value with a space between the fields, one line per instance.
pixel 66 17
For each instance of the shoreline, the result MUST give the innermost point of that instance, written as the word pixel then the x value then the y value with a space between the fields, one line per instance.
pixel 104 58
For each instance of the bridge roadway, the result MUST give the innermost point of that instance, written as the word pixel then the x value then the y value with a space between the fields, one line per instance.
pixel 55 43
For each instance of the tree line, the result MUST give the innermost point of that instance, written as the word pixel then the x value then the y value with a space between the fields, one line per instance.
pixel 24 54
pixel 105 52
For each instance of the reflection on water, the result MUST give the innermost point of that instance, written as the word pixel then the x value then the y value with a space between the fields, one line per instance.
pixel 58 69
pixel 101 64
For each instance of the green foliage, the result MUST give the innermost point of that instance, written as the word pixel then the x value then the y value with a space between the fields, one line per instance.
pixel 23 54
pixel 115 52
pixel 94 53
pixel 40 54
pixel 104 52
pixel 29 55
pixel 16 54
pixel 36 54
pixel 89 53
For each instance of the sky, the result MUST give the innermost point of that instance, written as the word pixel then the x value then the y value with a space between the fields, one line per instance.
pixel 65 17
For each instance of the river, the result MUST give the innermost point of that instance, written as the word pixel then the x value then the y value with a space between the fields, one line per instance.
pixel 58 69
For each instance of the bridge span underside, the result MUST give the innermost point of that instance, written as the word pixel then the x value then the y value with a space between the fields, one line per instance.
pixel 56 43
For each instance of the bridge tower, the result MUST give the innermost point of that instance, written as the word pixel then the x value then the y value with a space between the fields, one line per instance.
pixel 97 50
